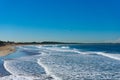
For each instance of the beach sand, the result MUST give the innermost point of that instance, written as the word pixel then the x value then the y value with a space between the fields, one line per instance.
pixel 7 49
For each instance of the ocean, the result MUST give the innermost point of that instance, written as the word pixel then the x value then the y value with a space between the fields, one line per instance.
pixel 62 62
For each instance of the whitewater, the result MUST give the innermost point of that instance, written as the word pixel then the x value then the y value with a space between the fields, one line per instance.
pixel 59 62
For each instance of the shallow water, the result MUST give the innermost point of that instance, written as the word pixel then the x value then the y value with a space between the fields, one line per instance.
pixel 61 62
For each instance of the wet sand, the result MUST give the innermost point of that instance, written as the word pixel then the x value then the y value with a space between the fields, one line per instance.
pixel 7 49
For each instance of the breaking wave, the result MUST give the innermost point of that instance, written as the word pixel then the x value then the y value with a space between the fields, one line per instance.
pixel 59 62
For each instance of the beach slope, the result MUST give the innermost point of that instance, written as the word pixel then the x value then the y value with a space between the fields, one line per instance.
pixel 7 49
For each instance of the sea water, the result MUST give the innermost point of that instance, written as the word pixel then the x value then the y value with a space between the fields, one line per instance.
pixel 62 62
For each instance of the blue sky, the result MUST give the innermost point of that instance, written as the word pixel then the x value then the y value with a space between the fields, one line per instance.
pixel 60 20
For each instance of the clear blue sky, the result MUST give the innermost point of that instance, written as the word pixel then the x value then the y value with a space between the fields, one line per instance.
pixel 60 20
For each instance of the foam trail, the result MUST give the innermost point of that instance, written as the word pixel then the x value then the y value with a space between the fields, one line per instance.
pixel 59 49
pixel 67 49
pixel 113 56
pixel 48 71
pixel 109 55
pixel 23 68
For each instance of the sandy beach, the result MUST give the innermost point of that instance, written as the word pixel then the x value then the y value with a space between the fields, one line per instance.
pixel 7 49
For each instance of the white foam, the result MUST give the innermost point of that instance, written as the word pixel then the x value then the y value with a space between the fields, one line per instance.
pixel 48 71
pixel 58 49
pixel 109 55
pixel 66 47
pixel 62 63
pixel 12 77
pixel 25 67
pixel 113 56
pixel 78 66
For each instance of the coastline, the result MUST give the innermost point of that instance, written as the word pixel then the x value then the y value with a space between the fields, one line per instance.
pixel 45 62
pixel 7 49
pixel 10 48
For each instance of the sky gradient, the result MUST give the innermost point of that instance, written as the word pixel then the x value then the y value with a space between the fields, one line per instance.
pixel 60 20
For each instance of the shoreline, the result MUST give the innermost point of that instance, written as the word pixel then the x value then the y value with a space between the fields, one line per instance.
pixel 7 49
pixel 10 48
